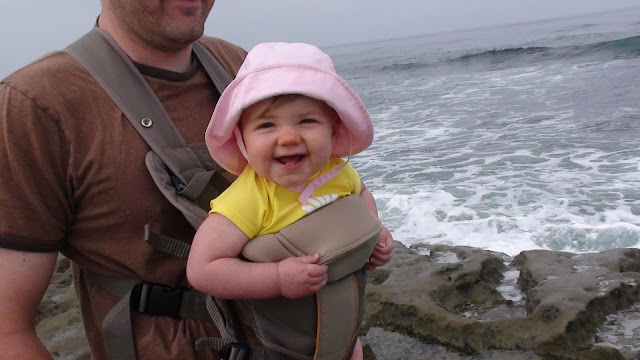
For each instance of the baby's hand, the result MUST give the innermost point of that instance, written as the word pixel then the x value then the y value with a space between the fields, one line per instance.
pixel 301 276
pixel 383 251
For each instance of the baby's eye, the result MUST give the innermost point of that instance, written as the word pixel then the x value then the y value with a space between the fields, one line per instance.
pixel 265 125
pixel 307 121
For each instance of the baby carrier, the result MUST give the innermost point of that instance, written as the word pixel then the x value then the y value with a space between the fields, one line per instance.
pixel 322 326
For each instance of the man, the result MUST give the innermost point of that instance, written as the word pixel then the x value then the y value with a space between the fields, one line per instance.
pixel 74 180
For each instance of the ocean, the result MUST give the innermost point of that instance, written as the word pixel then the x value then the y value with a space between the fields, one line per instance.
pixel 509 138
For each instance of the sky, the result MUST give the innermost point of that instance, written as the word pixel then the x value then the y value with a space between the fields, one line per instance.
pixel 32 28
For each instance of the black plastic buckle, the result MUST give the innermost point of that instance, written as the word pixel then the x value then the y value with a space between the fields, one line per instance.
pixel 176 182
pixel 156 299
pixel 234 351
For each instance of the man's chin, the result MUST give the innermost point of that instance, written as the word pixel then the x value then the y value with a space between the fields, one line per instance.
pixel 184 35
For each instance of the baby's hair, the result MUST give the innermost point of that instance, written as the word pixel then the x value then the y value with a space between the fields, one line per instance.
pixel 283 99
pixel 280 100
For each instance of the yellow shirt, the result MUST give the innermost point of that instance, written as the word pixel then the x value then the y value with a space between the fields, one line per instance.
pixel 258 206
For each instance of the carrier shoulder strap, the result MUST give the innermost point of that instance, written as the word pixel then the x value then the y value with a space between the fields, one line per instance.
pixel 118 76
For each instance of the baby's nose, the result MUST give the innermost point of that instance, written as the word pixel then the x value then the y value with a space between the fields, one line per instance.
pixel 288 136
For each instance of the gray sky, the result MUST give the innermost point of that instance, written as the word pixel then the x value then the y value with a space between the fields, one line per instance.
pixel 33 27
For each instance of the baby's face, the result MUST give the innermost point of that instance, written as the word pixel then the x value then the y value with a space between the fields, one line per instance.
pixel 290 139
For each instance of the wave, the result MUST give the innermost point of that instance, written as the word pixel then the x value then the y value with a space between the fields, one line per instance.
pixel 620 48
pixel 524 55
pixel 503 54
pixel 629 45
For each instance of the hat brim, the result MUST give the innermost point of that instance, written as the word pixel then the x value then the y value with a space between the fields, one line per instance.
pixel 354 135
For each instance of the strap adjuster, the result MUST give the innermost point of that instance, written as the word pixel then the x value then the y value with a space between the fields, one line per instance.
pixel 156 299
pixel 234 351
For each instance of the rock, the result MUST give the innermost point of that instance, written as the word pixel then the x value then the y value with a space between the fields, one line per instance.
pixel 58 320
pixel 451 297
pixel 460 303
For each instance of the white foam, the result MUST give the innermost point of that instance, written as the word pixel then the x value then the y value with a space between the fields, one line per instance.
pixel 508 286
pixel 440 217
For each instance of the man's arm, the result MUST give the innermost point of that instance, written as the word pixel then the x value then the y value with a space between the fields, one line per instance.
pixel 24 278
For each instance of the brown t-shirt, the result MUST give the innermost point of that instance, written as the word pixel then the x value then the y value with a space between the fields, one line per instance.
pixel 74 180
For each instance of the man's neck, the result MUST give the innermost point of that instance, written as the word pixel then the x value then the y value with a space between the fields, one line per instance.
pixel 143 53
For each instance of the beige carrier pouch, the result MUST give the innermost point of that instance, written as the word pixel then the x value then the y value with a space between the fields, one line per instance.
pixel 344 233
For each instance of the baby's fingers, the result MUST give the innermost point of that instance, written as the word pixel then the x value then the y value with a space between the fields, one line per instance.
pixel 318 282
pixel 317 270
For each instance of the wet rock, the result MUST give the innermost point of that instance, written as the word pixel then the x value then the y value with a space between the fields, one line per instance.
pixel 58 320
pixel 566 299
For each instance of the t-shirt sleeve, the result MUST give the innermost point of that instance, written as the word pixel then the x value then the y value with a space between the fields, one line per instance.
pixel 354 179
pixel 34 196
pixel 244 203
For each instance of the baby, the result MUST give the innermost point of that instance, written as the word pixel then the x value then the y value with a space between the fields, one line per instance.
pixel 283 126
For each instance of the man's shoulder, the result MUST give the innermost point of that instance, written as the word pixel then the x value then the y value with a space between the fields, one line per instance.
pixel 228 54
pixel 45 74
pixel 49 64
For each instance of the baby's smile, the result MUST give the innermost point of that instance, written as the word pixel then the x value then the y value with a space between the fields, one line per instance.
pixel 290 159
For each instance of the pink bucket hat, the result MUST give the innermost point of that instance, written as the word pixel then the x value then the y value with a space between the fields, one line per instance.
pixel 272 69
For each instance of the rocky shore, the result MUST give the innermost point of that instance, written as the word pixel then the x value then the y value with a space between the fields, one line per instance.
pixel 458 303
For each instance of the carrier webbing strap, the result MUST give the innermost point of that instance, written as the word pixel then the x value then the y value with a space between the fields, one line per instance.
pixel 118 334
pixel 166 244
pixel 337 303
pixel 216 72
pixel 203 187
pixel 227 344
pixel 117 75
